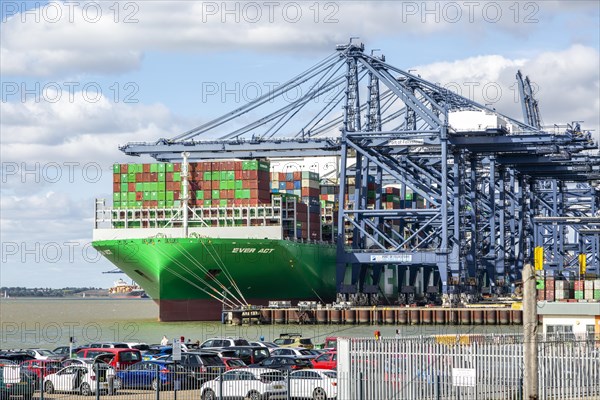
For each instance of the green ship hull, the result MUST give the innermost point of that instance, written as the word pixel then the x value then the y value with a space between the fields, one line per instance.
pixel 190 278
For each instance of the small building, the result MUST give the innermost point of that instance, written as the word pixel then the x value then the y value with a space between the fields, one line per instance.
pixel 562 318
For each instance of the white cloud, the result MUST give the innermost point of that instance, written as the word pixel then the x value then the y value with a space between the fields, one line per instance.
pixel 568 82
pixel 66 37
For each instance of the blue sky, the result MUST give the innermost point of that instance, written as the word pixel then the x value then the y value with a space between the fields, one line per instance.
pixel 152 68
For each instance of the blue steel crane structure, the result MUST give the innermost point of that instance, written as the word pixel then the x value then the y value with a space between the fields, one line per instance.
pixel 483 186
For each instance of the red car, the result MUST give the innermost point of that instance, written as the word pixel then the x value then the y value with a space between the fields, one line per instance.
pixel 232 363
pixel 325 361
pixel 41 367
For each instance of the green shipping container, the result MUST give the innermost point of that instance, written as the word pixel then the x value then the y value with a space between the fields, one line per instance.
pixel 131 196
pixel 223 203
pixel 116 196
pixel 223 176
pixel 116 168
pixel 245 193
pixel 154 186
pixel 123 196
pixel 207 176
pixel 230 175
pixel 161 196
pixel 239 185
pixel 230 185
pixel 216 194
pixel 199 195
pixel 596 294
pixel 161 204
pixel 161 186
pixel 161 168
pixel 147 195
pixel 153 167
pixel 170 167
pixel 579 295
pixel 215 176
pixel 223 185
pixel 139 186
pixel 132 204
pixel 116 204
pixel 162 176
pixel 170 196
pixel 176 176
pixel 153 195
pixel 124 187
pixel 207 203
pixel 123 178
pixel 238 194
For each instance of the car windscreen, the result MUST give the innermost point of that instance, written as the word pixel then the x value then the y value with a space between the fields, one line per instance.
pixel 305 341
pixel 330 374
pixel 211 360
pixel 306 353
pixel 130 356
pixel 241 342
pixel 121 346
pixel 272 377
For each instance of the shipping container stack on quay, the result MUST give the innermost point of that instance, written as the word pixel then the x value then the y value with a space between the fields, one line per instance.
pixel 439 200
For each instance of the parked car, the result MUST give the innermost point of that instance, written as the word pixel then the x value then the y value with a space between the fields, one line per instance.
pixel 158 374
pixel 326 361
pixel 84 379
pixel 284 363
pixel 13 382
pixel 233 363
pixel 110 345
pixel 207 363
pixel 63 351
pixel 317 384
pixel 330 343
pixel 122 357
pixel 42 354
pixel 249 354
pixel 40 368
pixel 268 345
pixel 222 342
pixel 290 351
pixel 16 356
pixel 293 340
pixel 247 383
pixel 154 352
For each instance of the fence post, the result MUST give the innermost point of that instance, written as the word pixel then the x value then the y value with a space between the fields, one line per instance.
pixel 360 386
pixel 42 385
pixel 287 385
pixel 530 324
pixel 97 367
pixel 436 377
pixel 157 382
pixel 221 386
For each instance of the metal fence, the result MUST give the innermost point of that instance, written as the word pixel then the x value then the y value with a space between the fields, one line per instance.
pixel 464 367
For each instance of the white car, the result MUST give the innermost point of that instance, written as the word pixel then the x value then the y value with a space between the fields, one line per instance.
pixel 268 345
pixel 81 378
pixel 317 384
pixel 42 354
pixel 246 383
pixel 292 351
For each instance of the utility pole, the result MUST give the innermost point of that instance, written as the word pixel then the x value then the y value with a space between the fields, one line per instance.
pixel 530 343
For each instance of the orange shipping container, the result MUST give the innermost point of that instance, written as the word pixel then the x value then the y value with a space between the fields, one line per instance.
pixel 117 178
pixel 146 168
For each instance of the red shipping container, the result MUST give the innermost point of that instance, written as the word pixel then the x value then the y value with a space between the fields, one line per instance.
pixel 146 177
pixel 249 175
pixel 177 167
pixel 153 203
pixel 297 176
pixel 289 185
pixel 238 174
pixel 176 195
pixel 550 294
pixel 116 187
pixel 281 177
pixel 146 168
pixel 215 166
pixel 146 203
pixel 153 176
pixel 253 193
pixel 131 187
pixel 139 196
pixel 541 294
pixel 252 202
pixel 216 203
pixel 117 178
pixel 124 168
pixel 579 285
pixel 139 176
pixel 238 167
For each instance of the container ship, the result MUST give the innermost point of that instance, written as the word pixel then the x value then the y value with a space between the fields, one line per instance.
pixel 250 235
pixel 124 290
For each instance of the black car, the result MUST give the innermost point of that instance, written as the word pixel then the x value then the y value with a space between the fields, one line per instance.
pixel 206 364
pixel 248 354
pixel 16 356
pixel 284 363
pixel 15 383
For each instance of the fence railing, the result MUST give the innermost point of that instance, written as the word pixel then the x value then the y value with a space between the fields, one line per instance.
pixel 464 367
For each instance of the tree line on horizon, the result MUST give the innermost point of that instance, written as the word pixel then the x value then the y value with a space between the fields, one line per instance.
pixel 17 291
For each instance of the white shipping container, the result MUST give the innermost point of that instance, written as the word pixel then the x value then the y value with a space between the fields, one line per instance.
pixel 589 285
pixel 588 294
pixel 462 121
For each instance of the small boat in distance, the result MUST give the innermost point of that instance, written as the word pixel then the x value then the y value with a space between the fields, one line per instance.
pixel 124 290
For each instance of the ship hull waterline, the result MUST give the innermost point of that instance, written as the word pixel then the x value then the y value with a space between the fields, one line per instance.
pixel 178 273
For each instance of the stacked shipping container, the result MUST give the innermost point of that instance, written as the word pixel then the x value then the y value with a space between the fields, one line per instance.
pixel 210 184
pixel 551 289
